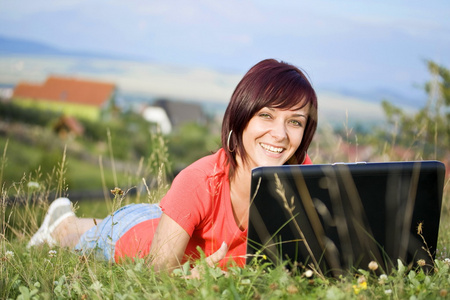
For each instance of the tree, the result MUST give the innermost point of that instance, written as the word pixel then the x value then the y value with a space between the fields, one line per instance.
pixel 429 128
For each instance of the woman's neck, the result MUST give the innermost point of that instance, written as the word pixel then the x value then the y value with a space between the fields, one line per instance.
pixel 240 195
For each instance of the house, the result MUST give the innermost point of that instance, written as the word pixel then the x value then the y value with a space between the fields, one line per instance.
pixel 170 115
pixel 180 112
pixel 68 126
pixel 79 97
pixel 158 116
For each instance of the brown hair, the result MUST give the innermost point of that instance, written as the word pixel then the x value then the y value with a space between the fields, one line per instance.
pixel 269 83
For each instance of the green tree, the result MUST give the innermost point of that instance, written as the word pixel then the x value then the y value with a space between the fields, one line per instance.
pixel 428 129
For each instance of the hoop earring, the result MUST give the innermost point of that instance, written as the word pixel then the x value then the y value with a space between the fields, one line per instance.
pixel 228 141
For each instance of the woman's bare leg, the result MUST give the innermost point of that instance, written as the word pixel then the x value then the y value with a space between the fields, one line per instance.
pixel 68 233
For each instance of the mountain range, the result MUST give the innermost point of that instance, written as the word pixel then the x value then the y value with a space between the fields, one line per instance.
pixel 15 46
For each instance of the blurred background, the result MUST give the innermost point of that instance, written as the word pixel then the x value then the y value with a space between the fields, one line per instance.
pixel 126 87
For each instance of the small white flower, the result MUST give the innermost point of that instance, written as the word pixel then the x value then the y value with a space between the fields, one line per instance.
pixel 9 254
pixel 383 277
pixel 447 260
pixel 96 286
pixel 388 292
pixel 33 185
pixel 373 265
pixel 308 273
pixel 52 253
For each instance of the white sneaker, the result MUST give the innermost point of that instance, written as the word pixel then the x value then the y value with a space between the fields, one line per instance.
pixel 59 210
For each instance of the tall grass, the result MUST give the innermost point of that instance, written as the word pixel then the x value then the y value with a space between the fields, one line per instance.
pixel 44 272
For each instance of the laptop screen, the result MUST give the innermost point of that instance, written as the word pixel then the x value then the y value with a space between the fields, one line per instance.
pixel 339 217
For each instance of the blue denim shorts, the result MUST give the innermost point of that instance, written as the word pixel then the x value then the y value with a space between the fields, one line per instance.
pixel 101 239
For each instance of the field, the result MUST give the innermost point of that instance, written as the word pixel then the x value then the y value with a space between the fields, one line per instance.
pixel 41 273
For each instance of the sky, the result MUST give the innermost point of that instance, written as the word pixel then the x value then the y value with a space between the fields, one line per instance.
pixel 352 46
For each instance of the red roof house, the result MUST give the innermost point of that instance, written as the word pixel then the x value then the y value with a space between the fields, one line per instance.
pixel 68 90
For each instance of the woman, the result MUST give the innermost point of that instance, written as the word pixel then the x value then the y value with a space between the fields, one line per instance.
pixel 270 120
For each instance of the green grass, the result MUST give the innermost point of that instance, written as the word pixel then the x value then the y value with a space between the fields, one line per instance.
pixel 59 273
pixel 81 111
pixel 80 174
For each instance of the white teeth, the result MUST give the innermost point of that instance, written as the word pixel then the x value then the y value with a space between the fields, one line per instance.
pixel 271 149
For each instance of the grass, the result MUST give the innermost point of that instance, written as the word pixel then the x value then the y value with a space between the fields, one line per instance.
pixel 88 112
pixel 43 272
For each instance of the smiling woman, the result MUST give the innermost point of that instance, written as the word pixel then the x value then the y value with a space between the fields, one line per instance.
pixel 270 120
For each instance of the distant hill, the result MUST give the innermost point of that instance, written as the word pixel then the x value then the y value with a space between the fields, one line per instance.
pixel 377 95
pixel 11 46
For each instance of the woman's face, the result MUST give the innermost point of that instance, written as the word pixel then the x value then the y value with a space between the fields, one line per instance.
pixel 273 135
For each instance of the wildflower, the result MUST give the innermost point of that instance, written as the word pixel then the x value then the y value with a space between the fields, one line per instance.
pixel 96 286
pixel 447 261
pixel 52 253
pixel 421 262
pixel 373 265
pixel 388 291
pixel 362 285
pixel 308 273
pixel 9 254
pixel 361 279
pixel 383 278
pixel 117 191
pixel 33 185
pixel 358 288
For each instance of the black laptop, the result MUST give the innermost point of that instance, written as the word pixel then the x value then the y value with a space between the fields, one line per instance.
pixel 337 218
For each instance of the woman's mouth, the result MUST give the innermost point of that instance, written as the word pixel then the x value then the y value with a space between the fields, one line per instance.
pixel 271 148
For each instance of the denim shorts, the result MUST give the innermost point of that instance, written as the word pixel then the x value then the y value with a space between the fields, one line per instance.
pixel 101 239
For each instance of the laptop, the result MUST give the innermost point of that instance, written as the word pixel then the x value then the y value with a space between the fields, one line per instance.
pixel 336 218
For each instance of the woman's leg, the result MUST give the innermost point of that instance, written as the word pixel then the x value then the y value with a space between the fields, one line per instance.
pixel 69 231
pixel 61 226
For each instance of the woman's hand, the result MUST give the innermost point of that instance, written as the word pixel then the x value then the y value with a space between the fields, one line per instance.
pixel 198 271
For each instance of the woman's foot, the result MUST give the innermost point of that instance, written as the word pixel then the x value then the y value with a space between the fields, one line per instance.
pixel 59 210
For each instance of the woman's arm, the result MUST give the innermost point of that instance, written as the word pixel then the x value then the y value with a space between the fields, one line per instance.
pixel 168 245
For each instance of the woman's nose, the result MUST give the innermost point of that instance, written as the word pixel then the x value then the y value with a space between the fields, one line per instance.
pixel 279 131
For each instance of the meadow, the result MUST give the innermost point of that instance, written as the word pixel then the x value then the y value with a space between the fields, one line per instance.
pixel 59 273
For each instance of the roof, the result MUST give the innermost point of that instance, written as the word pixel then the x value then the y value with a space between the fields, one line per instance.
pixel 67 90
pixel 159 116
pixel 182 112
pixel 68 123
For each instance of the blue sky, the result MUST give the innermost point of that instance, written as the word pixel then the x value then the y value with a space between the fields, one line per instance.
pixel 352 45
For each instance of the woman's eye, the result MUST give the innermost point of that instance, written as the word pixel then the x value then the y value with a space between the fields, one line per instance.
pixel 264 115
pixel 296 123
